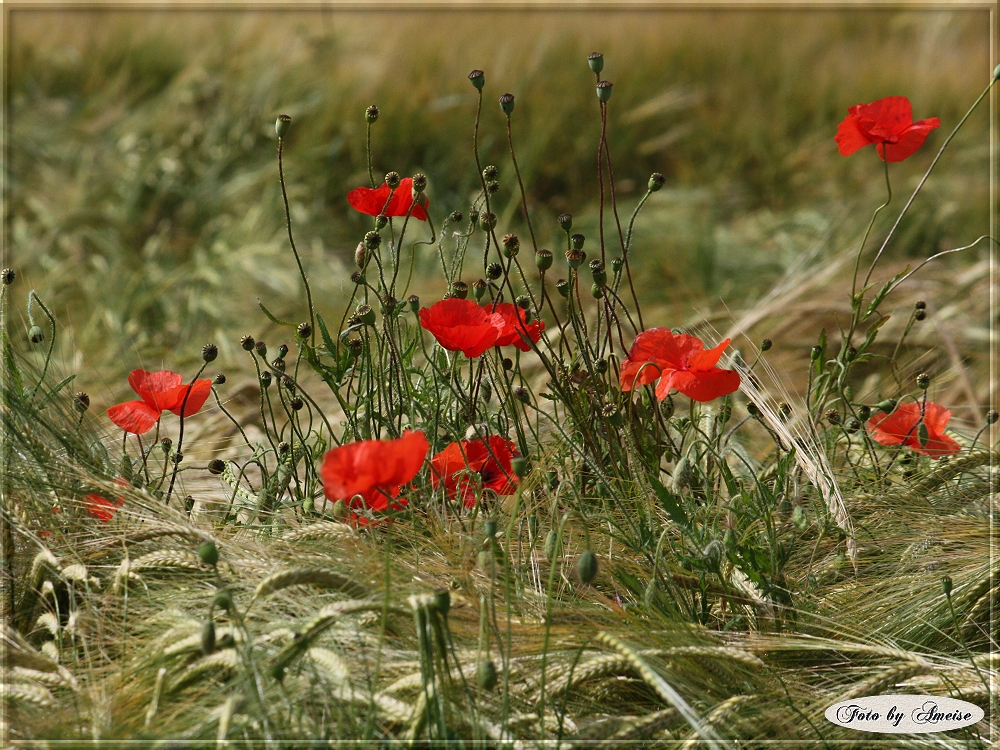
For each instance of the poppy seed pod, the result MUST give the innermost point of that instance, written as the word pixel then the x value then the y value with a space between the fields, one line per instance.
pixel 371 114
pixel 923 381
pixel 853 425
pixel 492 187
pixel 296 404
pixel 487 220
pixel 373 240
pixel 282 351
pixel 586 567
pixel 474 217
pixel 366 314
pixel 223 600
pixel 596 291
pixel 507 104
pixel 304 330
pixel 511 245
pixel 919 314
pixel 991 416
pixel 35 335
pixel 577 241
pixel 278 364
pixel 507 363
pixel 282 125
pixel 265 379
pixel 486 392
pixel 543 259
pixel 888 405
pixel 494 271
pixel 616 265
pixel 486 675
pixel 864 412
pixel 392 179
pixel 216 466
pixel 8 276
pixel 521 394
pixel 920 305
pixel 656 181
pixel 283 448
pixel 165 445
pixel 565 221
pixel 765 344
pixel 491 173
pixel 753 410
pixel 562 286
pixel 601 366
pixel 523 301
pixel 479 288
pixel 460 289
pixel 599 273
pixel 354 346
pixel 478 79
pixel 414 302
pixel 247 343
pixel 208 553
pixel 604 90
pixel 209 352
pixel 816 353
pixel 380 222
pixel 553 545
pixel 832 416
pixel 613 414
pixel 519 465
pixel 785 410
pixel 996 73
pixel 575 257
pixel 220 379
pixel 357 277
pixel 81 401
pixel 596 61
pixel 419 183
pixel 923 434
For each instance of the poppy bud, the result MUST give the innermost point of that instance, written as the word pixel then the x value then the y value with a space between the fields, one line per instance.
pixel 507 363
pixel 392 179
pixel 991 416
pixel 562 286
pixel 553 545
pixel 265 379
pixel 923 434
pixel 519 465
pixel 577 240
pixel 442 601
pixel 340 510
pixel 597 291
pixel 612 413
pixel 165 445
pixel 419 183
pixel 490 528
pixel 478 289
pixel 492 187
pixel 919 314
pixel 216 466
pixel 487 220
pixel 261 348
pixel 296 404
pixel 477 78
pixel 923 381
pixel 765 344
pixel 380 222
pixel 494 271
pixel 491 173
pixel 223 600
pixel 282 125
pixel 208 633
pixel 507 104
pixel 596 61
pixel 81 401
pixel 600 275
pixel 616 265
pixel 753 410
pixel 460 289
pixel 511 245
pixel 920 305
pixel 278 364
pixel 208 553
pixel 575 257
pixel 683 474
pixel 543 259
pixel 604 90
pixel 816 353
pixel 373 240
pixel 8 276
pixel 486 675
pixel 946 585
pixel 371 114
pixel 832 416
pixel 565 221
pixel 209 352
pixel 220 379
pixel 35 335
pixel 888 405
pixel 522 395
pixel 586 567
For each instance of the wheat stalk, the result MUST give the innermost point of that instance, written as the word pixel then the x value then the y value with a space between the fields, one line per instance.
pixel 321 577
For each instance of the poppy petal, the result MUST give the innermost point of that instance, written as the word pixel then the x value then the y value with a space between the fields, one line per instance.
pixel 893 114
pixel 100 507
pixel 703 386
pixel 707 359
pixel 136 417
pixel 909 142
pixel 849 136
pixel 173 399
pixel 369 201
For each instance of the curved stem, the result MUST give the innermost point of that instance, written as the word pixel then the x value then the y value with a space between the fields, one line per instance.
pixel 291 241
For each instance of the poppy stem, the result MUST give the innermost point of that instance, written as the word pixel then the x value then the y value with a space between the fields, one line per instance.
pixel 180 435
pixel 857 262
pixel 291 241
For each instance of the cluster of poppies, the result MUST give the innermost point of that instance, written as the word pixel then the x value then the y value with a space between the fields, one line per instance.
pixel 159 391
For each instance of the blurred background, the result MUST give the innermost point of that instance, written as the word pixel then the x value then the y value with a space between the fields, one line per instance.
pixel 143 200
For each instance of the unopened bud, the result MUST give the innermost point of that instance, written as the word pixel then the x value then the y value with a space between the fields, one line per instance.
pixel 208 630
pixel 683 474
pixel 991 416
pixel 888 405
pixel 923 434
pixel 586 567
pixel 208 553
pixel 282 125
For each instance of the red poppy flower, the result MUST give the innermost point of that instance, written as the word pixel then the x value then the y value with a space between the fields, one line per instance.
pixel 460 325
pixel 489 457
pixel 100 507
pixel 514 327
pixel 902 426
pixel 160 391
pixel 373 201
pixel 678 361
pixel 368 473
pixel 888 123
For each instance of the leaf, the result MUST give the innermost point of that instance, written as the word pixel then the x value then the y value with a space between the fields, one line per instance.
pixel 671 505
pixel 884 292
pixel 331 348
pixel 59 386
pixel 272 318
